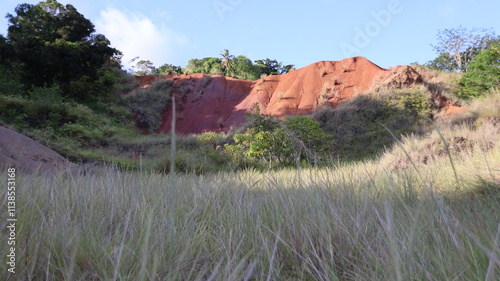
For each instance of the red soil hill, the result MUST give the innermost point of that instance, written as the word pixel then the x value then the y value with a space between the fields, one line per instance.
pixel 216 103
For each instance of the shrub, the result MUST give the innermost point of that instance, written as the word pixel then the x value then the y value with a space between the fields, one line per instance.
pixel 83 134
pixel 209 139
pixel 360 125
pixel 483 74
pixel 310 133
pixel 285 142
pixel 413 102
pixel 147 105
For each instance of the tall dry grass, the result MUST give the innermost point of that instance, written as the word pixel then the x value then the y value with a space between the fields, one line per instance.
pixel 355 222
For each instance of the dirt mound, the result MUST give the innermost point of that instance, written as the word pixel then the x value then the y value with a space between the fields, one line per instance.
pixel 20 152
pixel 401 77
pixel 216 103
pixel 454 111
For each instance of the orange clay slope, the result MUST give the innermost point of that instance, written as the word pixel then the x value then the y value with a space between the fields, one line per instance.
pixel 217 103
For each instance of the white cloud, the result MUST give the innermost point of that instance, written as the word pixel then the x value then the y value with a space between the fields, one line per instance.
pixel 136 35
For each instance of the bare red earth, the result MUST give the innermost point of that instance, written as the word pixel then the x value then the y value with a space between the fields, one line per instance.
pixel 217 103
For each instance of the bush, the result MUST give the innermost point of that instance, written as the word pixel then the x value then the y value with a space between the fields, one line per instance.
pixel 285 142
pixel 83 134
pixel 483 74
pixel 147 105
pixel 360 126
pixel 209 139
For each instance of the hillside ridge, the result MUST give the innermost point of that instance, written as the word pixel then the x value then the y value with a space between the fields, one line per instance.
pixel 217 103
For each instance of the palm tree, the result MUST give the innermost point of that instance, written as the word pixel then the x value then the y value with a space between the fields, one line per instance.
pixel 227 62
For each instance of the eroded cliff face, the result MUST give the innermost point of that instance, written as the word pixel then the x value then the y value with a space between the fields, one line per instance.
pixel 217 103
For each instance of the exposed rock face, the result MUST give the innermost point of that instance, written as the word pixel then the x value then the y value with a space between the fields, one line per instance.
pixel 216 103
pixel 24 154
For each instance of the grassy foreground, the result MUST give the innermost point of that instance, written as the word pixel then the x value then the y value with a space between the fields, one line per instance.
pixel 359 222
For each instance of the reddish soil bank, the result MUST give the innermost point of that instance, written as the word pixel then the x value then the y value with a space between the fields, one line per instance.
pixel 217 103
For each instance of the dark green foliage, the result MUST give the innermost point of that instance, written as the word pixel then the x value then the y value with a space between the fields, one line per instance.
pixel 147 105
pixel 483 75
pixel 167 69
pixel 245 69
pixel 444 62
pixel 309 132
pixel 9 78
pixel 239 67
pixel 272 67
pixel 205 65
pixel 55 44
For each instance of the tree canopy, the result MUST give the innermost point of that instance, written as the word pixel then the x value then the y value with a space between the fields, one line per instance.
pixel 55 44
pixel 457 47
pixel 240 67
pixel 483 74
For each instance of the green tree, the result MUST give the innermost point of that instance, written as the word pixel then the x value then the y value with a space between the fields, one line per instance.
pixel 167 69
pixel 146 67
pixel 457 47
pixel 212 66
pixel 6 51
pixel 240 67
pixel 55 44
pixel 309 135
pixel 297 138
pixel 444 62
pixel 273 67
pixel 227 63
pixel 9 77
pixel 483 74
pixel 194 66
pixel 245 69
pixel 268 66
pixel 206 65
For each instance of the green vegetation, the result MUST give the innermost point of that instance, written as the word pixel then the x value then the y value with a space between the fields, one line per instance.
pixel 457 47
pixel 355 222
pixel 61 124
pixel 60 83
pixel 383 187
pixel 366 125
pixel 483 74
pixel 289 142
pixel 240 67
pixel 55 44
pixel 147 105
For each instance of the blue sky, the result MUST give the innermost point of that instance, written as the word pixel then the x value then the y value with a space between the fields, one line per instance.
pixel 387 32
